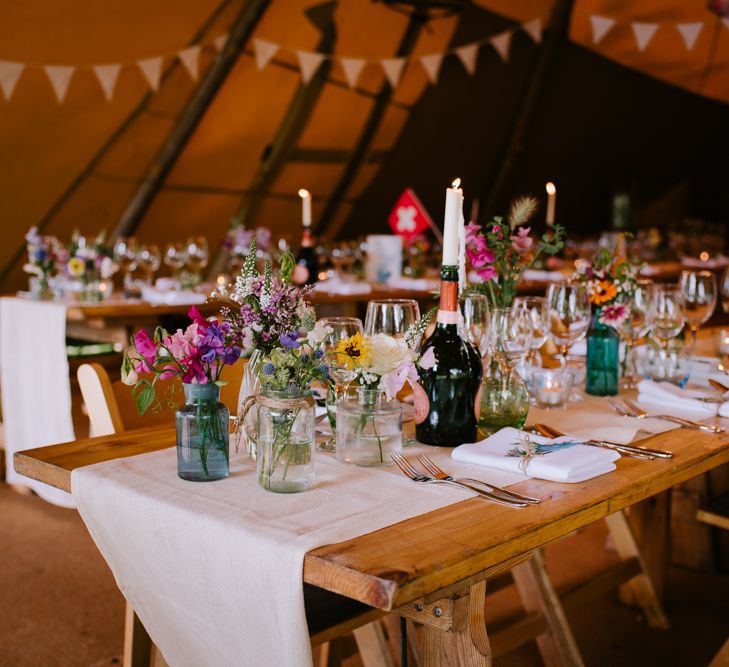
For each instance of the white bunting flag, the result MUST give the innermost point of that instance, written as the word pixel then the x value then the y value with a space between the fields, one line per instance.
pixel 690 33
pixel 189 58
pixel 352 69
pixel 467 55
pixel 9 74
pixel 600 27
pixel 393 69
pixel 643 33
pixel 60 77
pixel 431 64
pixel 534 30
pixel 220 42
pixel 501 43
pixel 107 76
pixel 264 52
pixel 308 63
pixel 152 70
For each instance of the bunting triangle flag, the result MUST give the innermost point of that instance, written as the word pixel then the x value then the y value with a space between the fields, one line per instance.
pixel 264 52
pixel 308 63
pixel 189 58
pixel 690 33
pixel 393 69
pixel 600 27
pixel 152 70
pixel 643 33
pixel 220 42
pixel 467 55
pixel 107 76
pixel 60 78
pixel 534 30
pixel 352 69
pixel 431 64
pixel 501 43
pixel 9 74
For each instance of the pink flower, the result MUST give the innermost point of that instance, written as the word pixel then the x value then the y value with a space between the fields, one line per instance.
pixel 496 229
pixel 614 314
pixel 479 256
pixel 427 361
pixel 487 273
pixel 522 242
pixel 392 382
pixel 196 316
pixel 145 346
pixel 472 230
pixel 182 345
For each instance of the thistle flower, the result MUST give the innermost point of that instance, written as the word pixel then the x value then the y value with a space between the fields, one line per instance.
pixel 268 368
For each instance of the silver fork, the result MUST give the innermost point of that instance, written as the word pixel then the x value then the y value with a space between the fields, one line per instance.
pixel 409 471
pixel 629 409
pixel 439 473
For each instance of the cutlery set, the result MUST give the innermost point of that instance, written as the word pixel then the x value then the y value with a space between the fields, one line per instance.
pixel 628 408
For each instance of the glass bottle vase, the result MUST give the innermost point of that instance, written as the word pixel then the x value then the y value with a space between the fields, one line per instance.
pixel 202 434
pixel 369 429
pixel 246 427
pixel 603 347
pixel 286 437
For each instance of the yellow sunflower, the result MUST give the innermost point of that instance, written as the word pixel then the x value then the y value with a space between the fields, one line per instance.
pixel 354 351
pixel 602 292
pixel 76 267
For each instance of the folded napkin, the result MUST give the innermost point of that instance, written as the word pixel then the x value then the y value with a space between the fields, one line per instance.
pixel 506 449
pixel 668 396
pixel 335 286
pixel 537 275
pixel 415 284
pixel 158 297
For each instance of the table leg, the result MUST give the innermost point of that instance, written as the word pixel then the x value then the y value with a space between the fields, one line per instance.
pixel 138 647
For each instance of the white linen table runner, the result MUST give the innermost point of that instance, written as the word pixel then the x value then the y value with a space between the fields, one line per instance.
pixel 214 569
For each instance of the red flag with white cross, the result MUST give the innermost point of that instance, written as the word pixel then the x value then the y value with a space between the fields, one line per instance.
pixel 409 218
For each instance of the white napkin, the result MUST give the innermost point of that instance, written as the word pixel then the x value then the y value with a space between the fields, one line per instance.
pixel 158 297
pixel 537 275
pixel 571 464
pixel 668 396
pixel 336 286
pixel 415 284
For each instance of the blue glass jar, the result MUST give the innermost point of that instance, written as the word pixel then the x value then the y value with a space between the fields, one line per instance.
pixel 603 346
pixel 202 434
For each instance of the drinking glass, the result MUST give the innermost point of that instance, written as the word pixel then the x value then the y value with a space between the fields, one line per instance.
pixel 667 314
pixel 476 320
pixel 636 325
pixel 125 254
pixel 148 260
pixel 725 290
pixel 538 310
pixel 196 249
pixel 699 292
pixel 511 336
pixel 391 316
pixel 569 315
pixel 175 257
pixel 342 328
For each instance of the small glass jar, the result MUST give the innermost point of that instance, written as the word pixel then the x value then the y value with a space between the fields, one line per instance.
pixel 285 447
pixel 504 402
pixel 202 434
pixel 668 363
pixel 368 429
pixel 551 387
pixel 40 288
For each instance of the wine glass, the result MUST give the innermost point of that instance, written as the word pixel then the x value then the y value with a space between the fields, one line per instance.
pixel 569 315
pixel 511 335
pixel 667 313
pixel 340 371
pixel 636 325
pixel 725 290
pixel 175 257
pixel 198 255
pixel 391 316
pixel 125 254
pixel 149 259
pixel 538 310
pixel 476 320
pixel 699 292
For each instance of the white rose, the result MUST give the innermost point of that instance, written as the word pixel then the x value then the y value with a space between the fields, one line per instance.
pixel 388 353
pixel 318 334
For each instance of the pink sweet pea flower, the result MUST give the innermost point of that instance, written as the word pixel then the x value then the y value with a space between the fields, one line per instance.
pixel 145 346
pixel 394 381
pixel 480 256
pixel 496 229
pixel 196 316
pixel 427 361
pixel 472 230
pixel 522 242
pixel 487 273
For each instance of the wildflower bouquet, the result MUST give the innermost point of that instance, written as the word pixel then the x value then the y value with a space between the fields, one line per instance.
pixel 501 251
pixel 44 253
pixel 90 261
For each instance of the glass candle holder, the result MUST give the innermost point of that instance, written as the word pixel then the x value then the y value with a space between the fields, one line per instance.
pixel 504 402
pixel 722 341
pixel 551 387
pixel 671 363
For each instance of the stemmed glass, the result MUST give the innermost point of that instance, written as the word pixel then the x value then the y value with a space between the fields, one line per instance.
pixel 476 320
pixel 699 293
pixel 148 260
pixel 392 317
pixel 175 257
pixel 125 253
pixel 342 328
pixel 511 335
pixel 667 314
pixel 725 290
pixel 538 310
pixel 569 315
pixel 197 256
pixel 636 325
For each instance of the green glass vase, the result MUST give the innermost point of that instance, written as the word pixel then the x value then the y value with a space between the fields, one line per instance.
pixel 603 345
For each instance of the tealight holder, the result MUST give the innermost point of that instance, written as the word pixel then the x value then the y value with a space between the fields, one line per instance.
pixel 722 342
pixel 551 387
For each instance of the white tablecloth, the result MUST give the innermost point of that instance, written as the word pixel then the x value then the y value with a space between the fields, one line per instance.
pixel 36 394
pixel 214 570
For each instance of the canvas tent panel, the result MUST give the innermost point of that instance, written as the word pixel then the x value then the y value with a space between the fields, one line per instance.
pixel 319 179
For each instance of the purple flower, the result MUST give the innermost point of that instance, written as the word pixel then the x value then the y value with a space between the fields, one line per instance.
pixel 268 368
pixel 290 340
pixel 318 354
pixel 230 355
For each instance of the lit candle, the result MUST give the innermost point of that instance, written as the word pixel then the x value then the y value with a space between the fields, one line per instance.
pixel 551 202
pixel 704 256
pixel 305 207
pixel 452 224
pixel 221 280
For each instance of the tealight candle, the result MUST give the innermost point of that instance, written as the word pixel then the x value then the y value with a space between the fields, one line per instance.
pixel 722 341
pixel 551 386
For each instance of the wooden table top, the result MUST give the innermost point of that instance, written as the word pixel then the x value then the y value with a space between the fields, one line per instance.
pixel 430 553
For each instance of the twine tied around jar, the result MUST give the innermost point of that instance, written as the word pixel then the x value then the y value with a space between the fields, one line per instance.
pixel 268 402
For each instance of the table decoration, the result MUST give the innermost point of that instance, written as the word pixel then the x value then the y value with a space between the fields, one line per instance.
pixel 196 356
pixel 699 293
pixel 503 249
pixel 611 281
pixel 88 269
pixel 551 387
pixel 44 253
pixel 503 400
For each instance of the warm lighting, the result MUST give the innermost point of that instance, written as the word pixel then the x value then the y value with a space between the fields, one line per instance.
pixel 305 207
pixel 456 184
pixel 704 256
pixel 304 193
pixel 551 202
pixel 221 280
pixel 551 190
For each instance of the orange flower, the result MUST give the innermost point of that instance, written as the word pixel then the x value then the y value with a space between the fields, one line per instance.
pixel 602 292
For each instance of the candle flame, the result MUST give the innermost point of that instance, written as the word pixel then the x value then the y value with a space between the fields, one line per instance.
pixel 551 189
pixel 704 256
pixel 456 184
pixel 304 194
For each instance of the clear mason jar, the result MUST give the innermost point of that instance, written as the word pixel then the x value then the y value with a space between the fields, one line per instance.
pixel 285 446
pixel 40 288
pixel 368 429
pixel 202 434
